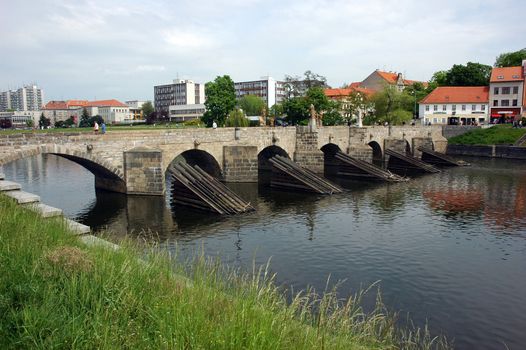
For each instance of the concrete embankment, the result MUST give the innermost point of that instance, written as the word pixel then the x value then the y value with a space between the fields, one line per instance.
pixel 492 151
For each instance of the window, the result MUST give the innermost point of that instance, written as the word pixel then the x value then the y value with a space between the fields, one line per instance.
pixel 427 108
pixel 514 103
pixel 444 107
pixel 515 89
pixel 435 108
pixel 463 107
pixel 454 108
pixel 495 103
pixel 473 107
pixel 505 103
pixel 506 90
pixel 496 91
pixel 483 107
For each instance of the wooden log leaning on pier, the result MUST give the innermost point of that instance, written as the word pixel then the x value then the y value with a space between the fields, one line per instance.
pixel 404 164
pixel 440 159
pixel 194 187
pixel 352 167
pixel 288 175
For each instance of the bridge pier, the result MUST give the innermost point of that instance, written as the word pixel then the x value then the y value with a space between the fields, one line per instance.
pixel 426 142
pixel 307 153
pixel 394 144
pixel 358 147
pixel 143 171
pixel 240 163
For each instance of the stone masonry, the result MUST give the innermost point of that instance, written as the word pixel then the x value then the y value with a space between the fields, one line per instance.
pixel 120 162
pixel 143 171
pixel 240 163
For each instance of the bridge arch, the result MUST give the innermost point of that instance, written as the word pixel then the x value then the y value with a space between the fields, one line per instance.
pixel 268 152
pixel 201 158
pixel 330 163
pixel 378 154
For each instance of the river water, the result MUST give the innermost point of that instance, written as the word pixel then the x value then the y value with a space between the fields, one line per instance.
pixel 447 248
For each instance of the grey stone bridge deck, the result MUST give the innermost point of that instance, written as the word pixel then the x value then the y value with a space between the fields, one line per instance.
pixel 135 162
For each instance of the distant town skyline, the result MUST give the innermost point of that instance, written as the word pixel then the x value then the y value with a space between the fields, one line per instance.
pixel 120 49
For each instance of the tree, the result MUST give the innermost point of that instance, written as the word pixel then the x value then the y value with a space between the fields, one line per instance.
pixel 30 123
pixel 251 104
pixel 356 103
pixel 43 122
pixel 296 109
pixel 297 86
pixel 85 119
pixel 236 118
pixel 390 106
pixel 472 74
pixel 511 59
pixel 332 115
pixel 220 100
pixel 147 108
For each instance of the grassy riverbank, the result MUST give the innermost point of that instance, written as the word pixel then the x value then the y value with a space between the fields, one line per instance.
pixel 58 293
pixel 496 135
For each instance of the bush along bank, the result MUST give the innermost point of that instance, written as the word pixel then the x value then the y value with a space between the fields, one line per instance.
pixel 56 292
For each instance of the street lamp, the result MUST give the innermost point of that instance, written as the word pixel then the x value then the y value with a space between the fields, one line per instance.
pixel 414 110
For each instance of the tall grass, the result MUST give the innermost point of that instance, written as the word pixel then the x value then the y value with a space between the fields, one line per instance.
pixel 496 135
pixel 58 293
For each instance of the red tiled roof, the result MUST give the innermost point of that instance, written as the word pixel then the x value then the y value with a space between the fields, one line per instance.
pixel 355 84
pixel 458 94
pixel 339 93
pixel 106 103
pixel 56 105
pixel 77 103
pixel 392 78
pixel 506 74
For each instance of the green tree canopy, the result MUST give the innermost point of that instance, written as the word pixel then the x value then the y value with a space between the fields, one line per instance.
pixel 297 86
pixel 472 74
pixel 236 118
pixel 511 59
pixel 84 119
pixel 220 100
pixel 44 122
pixel 147 108
pixel 390 106
pixel 251 104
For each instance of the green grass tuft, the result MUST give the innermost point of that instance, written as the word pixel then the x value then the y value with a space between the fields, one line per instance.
pixel 496 135
pixel 55 292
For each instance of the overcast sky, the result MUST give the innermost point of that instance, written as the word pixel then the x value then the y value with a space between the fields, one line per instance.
pixel 105 49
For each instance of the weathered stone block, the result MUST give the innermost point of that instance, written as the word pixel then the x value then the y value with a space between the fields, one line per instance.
pixel 143 171
pixel 240 163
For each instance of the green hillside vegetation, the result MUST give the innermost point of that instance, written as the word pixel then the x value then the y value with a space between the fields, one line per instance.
pixel 56 292
pixel 496 135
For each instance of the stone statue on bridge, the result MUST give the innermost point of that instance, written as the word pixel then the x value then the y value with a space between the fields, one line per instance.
pixel 315 120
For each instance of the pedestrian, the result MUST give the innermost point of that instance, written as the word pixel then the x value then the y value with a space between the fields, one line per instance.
pixel 96 128
pixel 214 125
pixel 103 128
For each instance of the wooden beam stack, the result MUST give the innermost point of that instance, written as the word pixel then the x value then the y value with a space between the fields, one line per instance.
pixel 352 167
pixel 194 187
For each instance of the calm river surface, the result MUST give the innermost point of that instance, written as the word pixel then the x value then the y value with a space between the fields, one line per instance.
pixel 449 248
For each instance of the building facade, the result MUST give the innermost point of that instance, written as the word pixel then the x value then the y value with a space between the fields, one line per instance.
pixel 506 94
pixel 378 79
pixel 63 110
pixel 181 113
pixel 112 111
pixel 456 105
pixel 26 98
pixel 136 109
pixel 180 92
pixel 344 97
pixel 268 89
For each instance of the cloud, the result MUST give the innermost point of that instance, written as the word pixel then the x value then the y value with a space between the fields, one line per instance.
pixel 81 48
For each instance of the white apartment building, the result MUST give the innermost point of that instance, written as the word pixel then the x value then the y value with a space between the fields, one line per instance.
pixel 270 90
pixel 136 109
pixel 506 93
pixel 455 105
pixel 180 92
pixel 27 98
pixel 112 111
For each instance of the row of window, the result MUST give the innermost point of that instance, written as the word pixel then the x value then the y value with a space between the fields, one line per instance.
pixel 505 103
pixel 454 108
pixel 505 90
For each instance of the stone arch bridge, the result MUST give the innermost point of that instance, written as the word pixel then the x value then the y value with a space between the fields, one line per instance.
pixel 135 162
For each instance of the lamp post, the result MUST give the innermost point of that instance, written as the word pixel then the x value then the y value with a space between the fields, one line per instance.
pixel 414 109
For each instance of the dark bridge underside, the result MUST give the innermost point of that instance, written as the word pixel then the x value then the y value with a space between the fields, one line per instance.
pixel 104 178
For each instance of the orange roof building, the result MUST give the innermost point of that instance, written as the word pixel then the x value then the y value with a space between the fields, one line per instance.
pixel 453 105
pixel 507 93
pixel 378 79
pixel 112 111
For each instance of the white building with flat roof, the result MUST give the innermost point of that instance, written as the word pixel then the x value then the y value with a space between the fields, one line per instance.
pixel 267 88
pixel 180 92
pixel 181 113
